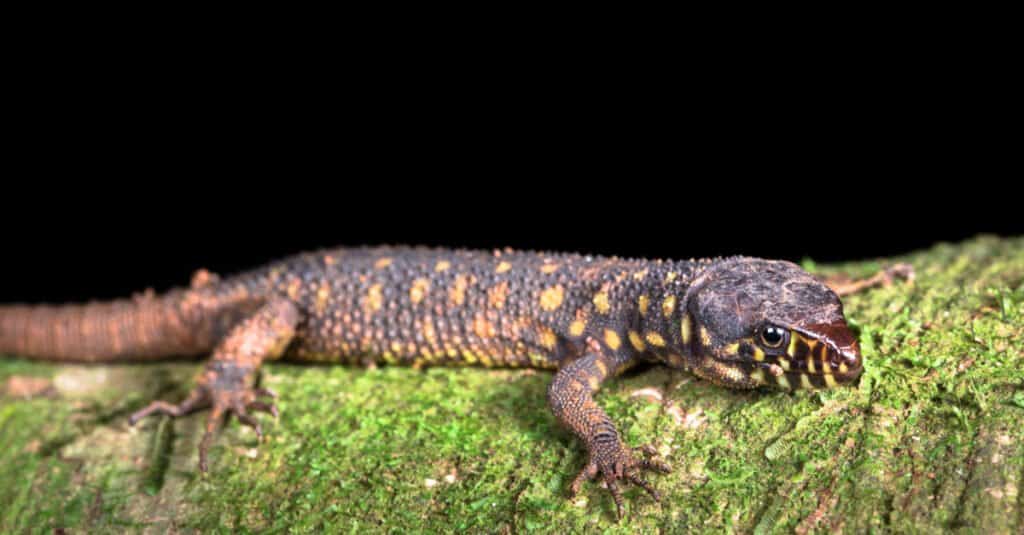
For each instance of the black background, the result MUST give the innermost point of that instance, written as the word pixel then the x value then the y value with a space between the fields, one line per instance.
pixel 107 242
pixel 112 188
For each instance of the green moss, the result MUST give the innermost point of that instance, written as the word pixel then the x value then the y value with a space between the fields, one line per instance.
pixel 931 439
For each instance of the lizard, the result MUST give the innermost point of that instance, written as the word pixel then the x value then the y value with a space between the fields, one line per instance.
pixel 738 322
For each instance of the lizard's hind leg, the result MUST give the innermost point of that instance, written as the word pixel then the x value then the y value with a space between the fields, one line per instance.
pixel 226 383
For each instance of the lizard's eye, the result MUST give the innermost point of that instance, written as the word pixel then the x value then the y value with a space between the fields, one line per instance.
pixel 772 336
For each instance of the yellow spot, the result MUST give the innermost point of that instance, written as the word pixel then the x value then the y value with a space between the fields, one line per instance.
pixel 810 364
pixel 640 275
pixel 655 339
pixel 483 328
pixel 429 333
pixel 668 306
pixel 643 302
pixel 485 359
pixel 547 338
pixel 670 276
pixel 686 329
pixel 611 339
pixel 396 347
pixel 593 382
pixel 322 295
pixel 389 357
pixel 791 350
pixel 783 382
pixel 442 266
pixel 805 381
pixel 601 367
pixel 843 368
pixel 577 327
pixel 638 343
pixel 705 337
pixel 457 293
pixel 549 268
pixel 551 298
pixel 503 267
pixel 382 263
pixel 829 380
pixel 375 298
pixel 784 362
pixel 468 356
pixel 293 288
pixel 419 290
pixel 757 376
pixel 601 302
pixel 732 373
pixel 758 354
pixel 497 294
pixel 731 349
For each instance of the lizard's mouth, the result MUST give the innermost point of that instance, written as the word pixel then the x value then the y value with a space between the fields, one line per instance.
pixel 813 356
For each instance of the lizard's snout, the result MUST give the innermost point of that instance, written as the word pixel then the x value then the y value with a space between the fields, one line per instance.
pixel 842 357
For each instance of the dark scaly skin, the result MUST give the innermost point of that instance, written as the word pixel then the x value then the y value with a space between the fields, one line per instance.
pixel 739 322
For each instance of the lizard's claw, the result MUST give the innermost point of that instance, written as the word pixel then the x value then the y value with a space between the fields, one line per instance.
pixel 615 463
pixel 221 399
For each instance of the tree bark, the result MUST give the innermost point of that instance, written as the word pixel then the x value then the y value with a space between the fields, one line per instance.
pixel 931 439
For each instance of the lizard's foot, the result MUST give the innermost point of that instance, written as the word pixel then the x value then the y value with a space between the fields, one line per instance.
pixel 615 463
pixel 844 286
pixel 220 393
pixel 224 386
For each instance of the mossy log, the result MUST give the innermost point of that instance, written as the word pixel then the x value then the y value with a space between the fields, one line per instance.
pixel 930 440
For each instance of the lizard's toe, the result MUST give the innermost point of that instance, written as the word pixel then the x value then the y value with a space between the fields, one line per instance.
pixel 243 416
pixel 644 484
pixel 194 401
pixel 586 474
pixel 651 461
pixel 613 487
pixel 237 402
pixel 265 392
pixel 268 408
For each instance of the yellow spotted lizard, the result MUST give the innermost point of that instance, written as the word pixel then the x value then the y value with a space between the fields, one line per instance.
pixel 738 322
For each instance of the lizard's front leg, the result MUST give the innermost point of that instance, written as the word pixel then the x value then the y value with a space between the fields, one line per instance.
pixel 571 399
pixel 226 383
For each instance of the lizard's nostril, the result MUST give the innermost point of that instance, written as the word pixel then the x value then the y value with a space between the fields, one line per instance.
pixel 848 356
pixel 847 363
pixel 851 357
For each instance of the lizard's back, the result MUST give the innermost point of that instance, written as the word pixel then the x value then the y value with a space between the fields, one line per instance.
pixel 437 306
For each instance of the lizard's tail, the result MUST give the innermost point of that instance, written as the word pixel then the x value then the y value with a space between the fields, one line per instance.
pixel 146 327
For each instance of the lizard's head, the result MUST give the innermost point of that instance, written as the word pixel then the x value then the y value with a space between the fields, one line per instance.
pixel 757 322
